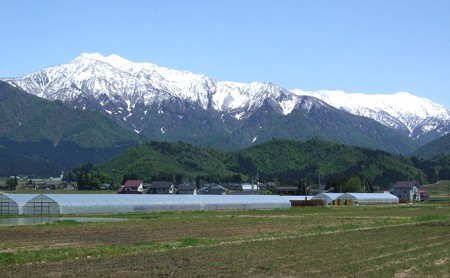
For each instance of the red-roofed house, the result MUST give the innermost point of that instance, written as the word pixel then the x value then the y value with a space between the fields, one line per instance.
pixel 132 187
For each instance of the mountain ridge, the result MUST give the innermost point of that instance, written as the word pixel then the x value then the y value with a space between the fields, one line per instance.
pixel 410 115
pixel 136 94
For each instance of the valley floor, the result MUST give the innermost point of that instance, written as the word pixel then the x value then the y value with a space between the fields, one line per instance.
pixel 369 241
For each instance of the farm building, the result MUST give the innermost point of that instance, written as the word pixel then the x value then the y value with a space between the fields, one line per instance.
pixel 212 189
pixel 407 191
pixel 14 203
pixel 287 190
pixel 369 198
pixel 132 187
pixel 161 187
pixel 112 203
pixel 328 198
pixel 186 188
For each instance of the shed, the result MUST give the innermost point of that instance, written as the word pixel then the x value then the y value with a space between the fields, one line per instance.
pixel 118 203
pixel 327 197
pixel 14 203
pixel 370 198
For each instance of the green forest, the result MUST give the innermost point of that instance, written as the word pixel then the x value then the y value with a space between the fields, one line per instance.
pixel 286 162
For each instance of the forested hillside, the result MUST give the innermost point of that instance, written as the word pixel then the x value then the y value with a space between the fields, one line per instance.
pixel 44 137
pixel 285 161
pixel 434 148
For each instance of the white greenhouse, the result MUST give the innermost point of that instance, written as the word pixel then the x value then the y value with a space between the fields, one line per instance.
pixel 14 203
pixel 296 197
pixel 328 198
pixel 370 198
pixel 122 203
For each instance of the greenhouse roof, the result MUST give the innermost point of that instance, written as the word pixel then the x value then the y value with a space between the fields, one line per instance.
pixel 118 203
pixel 296 197
pixel 19 199
pixel 332 196
pixel 118 199
pixel 362 196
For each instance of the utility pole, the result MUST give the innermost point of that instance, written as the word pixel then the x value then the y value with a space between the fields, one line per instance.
pixel 320 186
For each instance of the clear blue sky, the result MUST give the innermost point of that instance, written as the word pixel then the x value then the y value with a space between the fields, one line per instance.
pixel 365 46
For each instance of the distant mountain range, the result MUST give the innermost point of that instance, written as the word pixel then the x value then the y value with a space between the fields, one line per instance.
pixel 157 103
pixel 418 118
pixel 171 105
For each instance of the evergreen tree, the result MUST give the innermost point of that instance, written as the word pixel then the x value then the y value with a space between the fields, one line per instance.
pixel 354 184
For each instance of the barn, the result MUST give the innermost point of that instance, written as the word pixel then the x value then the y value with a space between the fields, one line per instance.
pixel 11 204
pixel 369 198
pixel 112 203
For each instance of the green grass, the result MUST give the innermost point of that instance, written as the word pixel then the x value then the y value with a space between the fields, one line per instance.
pixel 438 190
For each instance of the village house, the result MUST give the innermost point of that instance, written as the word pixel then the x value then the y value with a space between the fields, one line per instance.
pixel 187 189
pixel 407 191
pixel 212 189
pixel 161 187
pixel 132 187
pixel 287 190
pixel 250 187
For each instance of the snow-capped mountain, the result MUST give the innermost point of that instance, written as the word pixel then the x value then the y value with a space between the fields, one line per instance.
pixel 411 115
pixel 168 104
pixel 115 79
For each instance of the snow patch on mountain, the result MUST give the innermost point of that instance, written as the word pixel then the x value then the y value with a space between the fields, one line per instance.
pixel 116 85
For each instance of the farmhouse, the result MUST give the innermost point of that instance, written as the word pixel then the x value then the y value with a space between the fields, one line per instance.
pixel 407 191
pixel 161 187
pixel 212 189
pixel 250 187
pixel 132 187
pixel 187 188
pixel 287 190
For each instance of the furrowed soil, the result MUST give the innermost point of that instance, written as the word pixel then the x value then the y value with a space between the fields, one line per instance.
pixel 372 241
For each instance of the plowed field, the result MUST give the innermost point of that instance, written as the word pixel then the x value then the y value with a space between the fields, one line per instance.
pixel 394 241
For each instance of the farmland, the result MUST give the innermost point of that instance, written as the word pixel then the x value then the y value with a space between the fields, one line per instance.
pixel 439 190
pixel 377 241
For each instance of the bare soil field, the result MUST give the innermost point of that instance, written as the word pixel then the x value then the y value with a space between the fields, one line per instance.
pixel 372 241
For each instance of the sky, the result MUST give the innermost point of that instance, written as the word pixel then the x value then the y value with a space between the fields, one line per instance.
pixel 370 46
